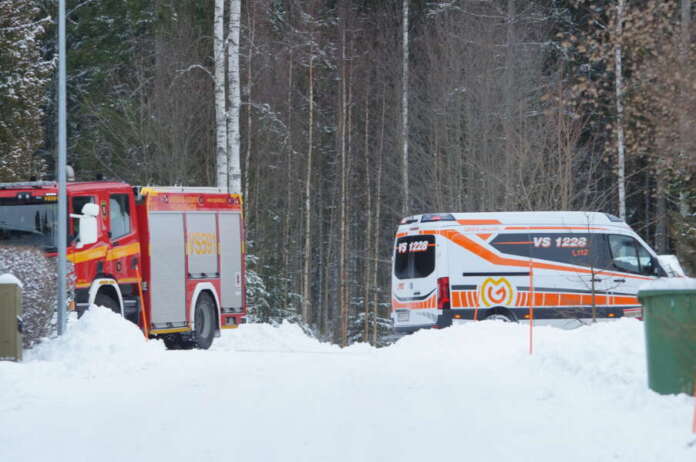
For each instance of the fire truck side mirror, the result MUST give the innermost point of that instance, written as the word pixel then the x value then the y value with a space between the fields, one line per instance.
pixel 88 225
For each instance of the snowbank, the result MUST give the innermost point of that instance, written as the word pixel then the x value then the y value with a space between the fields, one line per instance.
pixel 470 392
pixel 99 337
pixel 287 338
pixel 10 279
pixel 670 284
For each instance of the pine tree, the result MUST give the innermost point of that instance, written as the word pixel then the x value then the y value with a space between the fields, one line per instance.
pixel 24 76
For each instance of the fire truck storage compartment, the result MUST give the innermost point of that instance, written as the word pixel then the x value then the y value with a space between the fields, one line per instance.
pixel 231 260
pixel 202 245
pixel 167 268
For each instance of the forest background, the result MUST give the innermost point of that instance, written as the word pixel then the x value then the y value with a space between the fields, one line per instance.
pixel 512 105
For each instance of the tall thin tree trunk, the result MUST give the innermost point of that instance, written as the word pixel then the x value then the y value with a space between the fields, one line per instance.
pixel 247 158
pixel 684 59
pixel 234 98
pixel 306 307
pixel 509 190
pixel 660 212
pixel 289 196
pixel 220 113
pixel 368 231
pixel 620 108
pixel 343 245
pixel 404 112
pixel 377 227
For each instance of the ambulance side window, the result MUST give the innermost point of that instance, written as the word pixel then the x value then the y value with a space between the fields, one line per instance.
pixel 119 214
pixel 624 253
pixel 630 256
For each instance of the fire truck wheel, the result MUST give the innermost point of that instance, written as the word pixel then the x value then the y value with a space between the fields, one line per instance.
pixel 204 322
pixel 104 300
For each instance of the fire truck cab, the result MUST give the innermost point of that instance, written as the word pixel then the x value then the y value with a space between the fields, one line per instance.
pixel 169 259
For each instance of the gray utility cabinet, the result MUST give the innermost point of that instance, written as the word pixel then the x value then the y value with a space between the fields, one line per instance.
pixel 10 316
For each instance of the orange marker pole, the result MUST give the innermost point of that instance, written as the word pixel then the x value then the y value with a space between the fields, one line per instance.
pixel 531 307
pixel 146 324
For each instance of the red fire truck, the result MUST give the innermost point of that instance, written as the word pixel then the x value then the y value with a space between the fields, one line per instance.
pixel 170 259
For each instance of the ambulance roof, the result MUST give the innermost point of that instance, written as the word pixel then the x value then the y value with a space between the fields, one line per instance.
pixel 559 218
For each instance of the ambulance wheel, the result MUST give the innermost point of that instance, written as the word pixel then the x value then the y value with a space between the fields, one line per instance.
pixel 499 317
pixel 204 318
pixel 105 300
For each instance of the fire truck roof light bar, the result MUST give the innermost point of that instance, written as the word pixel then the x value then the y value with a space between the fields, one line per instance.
pixel 28 185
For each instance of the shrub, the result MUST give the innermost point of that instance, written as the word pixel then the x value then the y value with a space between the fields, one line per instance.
pixel 39 280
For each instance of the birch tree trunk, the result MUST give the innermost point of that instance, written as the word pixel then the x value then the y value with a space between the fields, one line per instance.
pixel 620 108
pixel 220 113
pixel 235 173
pixel 404 111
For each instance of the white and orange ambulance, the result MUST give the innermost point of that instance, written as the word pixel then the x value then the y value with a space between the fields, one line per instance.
pixel 561 268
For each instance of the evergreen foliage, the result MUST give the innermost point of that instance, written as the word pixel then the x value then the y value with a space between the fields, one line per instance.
pixel 24 78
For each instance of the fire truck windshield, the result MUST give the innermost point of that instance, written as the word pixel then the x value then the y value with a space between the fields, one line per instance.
pixel 28 222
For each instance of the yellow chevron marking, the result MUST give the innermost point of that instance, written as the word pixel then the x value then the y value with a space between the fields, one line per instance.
pixel 123 251
pixel 86 255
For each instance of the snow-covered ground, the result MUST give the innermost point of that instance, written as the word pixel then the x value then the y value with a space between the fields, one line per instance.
pixel 470 392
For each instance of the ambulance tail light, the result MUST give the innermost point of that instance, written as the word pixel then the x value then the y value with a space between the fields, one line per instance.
pixel 443 294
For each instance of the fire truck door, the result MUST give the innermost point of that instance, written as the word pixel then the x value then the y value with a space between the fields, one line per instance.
pixel 167 268
pixel 231 260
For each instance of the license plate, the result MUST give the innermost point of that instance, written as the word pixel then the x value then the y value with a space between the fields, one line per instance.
pixel 402 316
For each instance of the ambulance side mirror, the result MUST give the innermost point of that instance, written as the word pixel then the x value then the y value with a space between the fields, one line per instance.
pixel 87 225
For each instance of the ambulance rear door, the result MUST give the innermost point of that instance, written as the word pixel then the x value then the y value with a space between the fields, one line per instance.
pixel 414 281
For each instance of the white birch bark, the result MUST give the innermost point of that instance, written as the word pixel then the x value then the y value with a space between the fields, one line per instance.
pixel 620 108
pixel 234 99
pixel 220 114
pixel 404 111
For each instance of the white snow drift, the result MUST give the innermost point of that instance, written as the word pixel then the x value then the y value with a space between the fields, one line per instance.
pixel 471 392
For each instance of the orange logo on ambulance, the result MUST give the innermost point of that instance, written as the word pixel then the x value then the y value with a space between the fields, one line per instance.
pixel 495 292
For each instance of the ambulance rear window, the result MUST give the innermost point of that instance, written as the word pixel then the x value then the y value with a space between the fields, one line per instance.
pixel 414 257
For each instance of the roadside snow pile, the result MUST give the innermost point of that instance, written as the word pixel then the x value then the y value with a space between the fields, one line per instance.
pixel 287 338
pixel 670 284
pixel 270 394
pixel 100 336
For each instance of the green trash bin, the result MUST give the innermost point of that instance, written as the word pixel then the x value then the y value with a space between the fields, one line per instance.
pixel 669 312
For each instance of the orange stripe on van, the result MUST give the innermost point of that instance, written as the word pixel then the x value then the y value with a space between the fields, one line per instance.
pixel 479 222
pixel 554 228
pixel 429 303
pixel 546 299
pixel 492 257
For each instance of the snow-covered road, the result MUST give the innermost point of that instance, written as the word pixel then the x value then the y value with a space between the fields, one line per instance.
pixel 471 392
